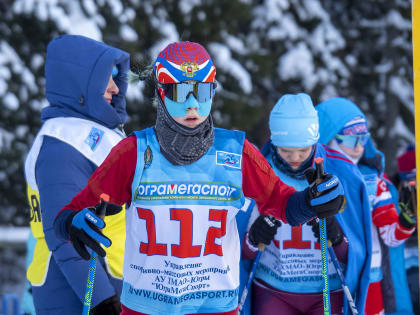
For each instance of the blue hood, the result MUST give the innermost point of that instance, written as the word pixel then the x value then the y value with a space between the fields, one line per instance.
pixel 77 71
pixel 333 114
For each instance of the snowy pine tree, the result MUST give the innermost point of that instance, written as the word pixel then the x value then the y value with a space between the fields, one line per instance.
pixel 262 50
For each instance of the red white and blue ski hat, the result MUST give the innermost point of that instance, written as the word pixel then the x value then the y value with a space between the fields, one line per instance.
pixel 356 126
pixel 184 61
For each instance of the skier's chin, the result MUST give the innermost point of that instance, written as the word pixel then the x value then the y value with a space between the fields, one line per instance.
pixel 356 156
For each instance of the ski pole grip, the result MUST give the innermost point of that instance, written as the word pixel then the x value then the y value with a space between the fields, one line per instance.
pixel 101 211
pixel 412 185
pixel 261 246
pixel 319 167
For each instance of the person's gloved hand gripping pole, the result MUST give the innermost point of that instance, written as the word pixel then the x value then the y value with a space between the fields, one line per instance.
pixel 334 232
pixel 84 229
pixel 408 209
pixel 262 231
pixel 323 198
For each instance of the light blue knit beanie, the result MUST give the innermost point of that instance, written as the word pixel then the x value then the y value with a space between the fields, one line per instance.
pixel 294 121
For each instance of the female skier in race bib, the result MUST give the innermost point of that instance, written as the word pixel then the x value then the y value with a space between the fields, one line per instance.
pixel 288 279
pixel 185 181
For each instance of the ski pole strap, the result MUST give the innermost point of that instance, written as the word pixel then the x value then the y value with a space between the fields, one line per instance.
pixel 412 185
pixel 100 211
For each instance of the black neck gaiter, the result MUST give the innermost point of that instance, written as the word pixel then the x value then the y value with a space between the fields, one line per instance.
pixel 179 144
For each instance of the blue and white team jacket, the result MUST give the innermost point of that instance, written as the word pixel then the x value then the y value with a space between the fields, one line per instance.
pixel 333 114
pixel 395 290
pixel 183 250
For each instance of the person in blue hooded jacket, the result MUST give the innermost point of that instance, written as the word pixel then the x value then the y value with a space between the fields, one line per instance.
pixel 86 82
pixel 288 278
pixel 344 127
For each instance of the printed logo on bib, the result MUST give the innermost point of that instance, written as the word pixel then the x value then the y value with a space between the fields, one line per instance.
pixel 228 159
pixel 35 209
pixel 187 190
pixel 148 157
pixel 293 262
pixel 94 138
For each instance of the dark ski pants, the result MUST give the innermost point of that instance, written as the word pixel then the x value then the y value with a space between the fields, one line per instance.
pixel 266 301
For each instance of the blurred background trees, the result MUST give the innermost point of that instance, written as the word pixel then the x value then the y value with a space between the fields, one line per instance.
pixel 360 50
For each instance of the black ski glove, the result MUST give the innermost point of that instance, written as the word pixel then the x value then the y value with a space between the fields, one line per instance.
pixel 407 204
pixel 334 233
pixel 109 306
pixel 406 218
pixel 263 230
pixel 325 195
pixel 84 227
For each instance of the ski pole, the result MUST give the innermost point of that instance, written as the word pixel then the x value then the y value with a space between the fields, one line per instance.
pixel 343 280
pixel 323 240
pixel 100 212
pixel 244 295
pixel 412 185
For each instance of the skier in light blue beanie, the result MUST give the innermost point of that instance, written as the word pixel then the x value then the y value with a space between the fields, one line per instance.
pixel 294 121
pixel 282 284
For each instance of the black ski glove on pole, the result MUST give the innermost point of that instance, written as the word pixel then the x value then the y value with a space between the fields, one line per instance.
pixel 407 204
pixel 109 306
pixel 325 194
pixel 84 228
pixel 407 218
pixel 334 233
pixel 263 230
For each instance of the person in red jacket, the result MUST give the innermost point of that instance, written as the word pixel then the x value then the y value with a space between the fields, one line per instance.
pixel 185 180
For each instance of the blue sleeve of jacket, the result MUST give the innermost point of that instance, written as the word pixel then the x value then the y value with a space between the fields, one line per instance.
pixel 60 225
pixel 356 222
pixel 298 201
pixel 364 278
pixel 61 172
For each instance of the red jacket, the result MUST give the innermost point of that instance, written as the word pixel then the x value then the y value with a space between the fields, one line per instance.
pixel 115 176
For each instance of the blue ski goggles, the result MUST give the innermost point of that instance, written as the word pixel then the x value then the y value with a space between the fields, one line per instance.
pixel 179 92
pixel 352 141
